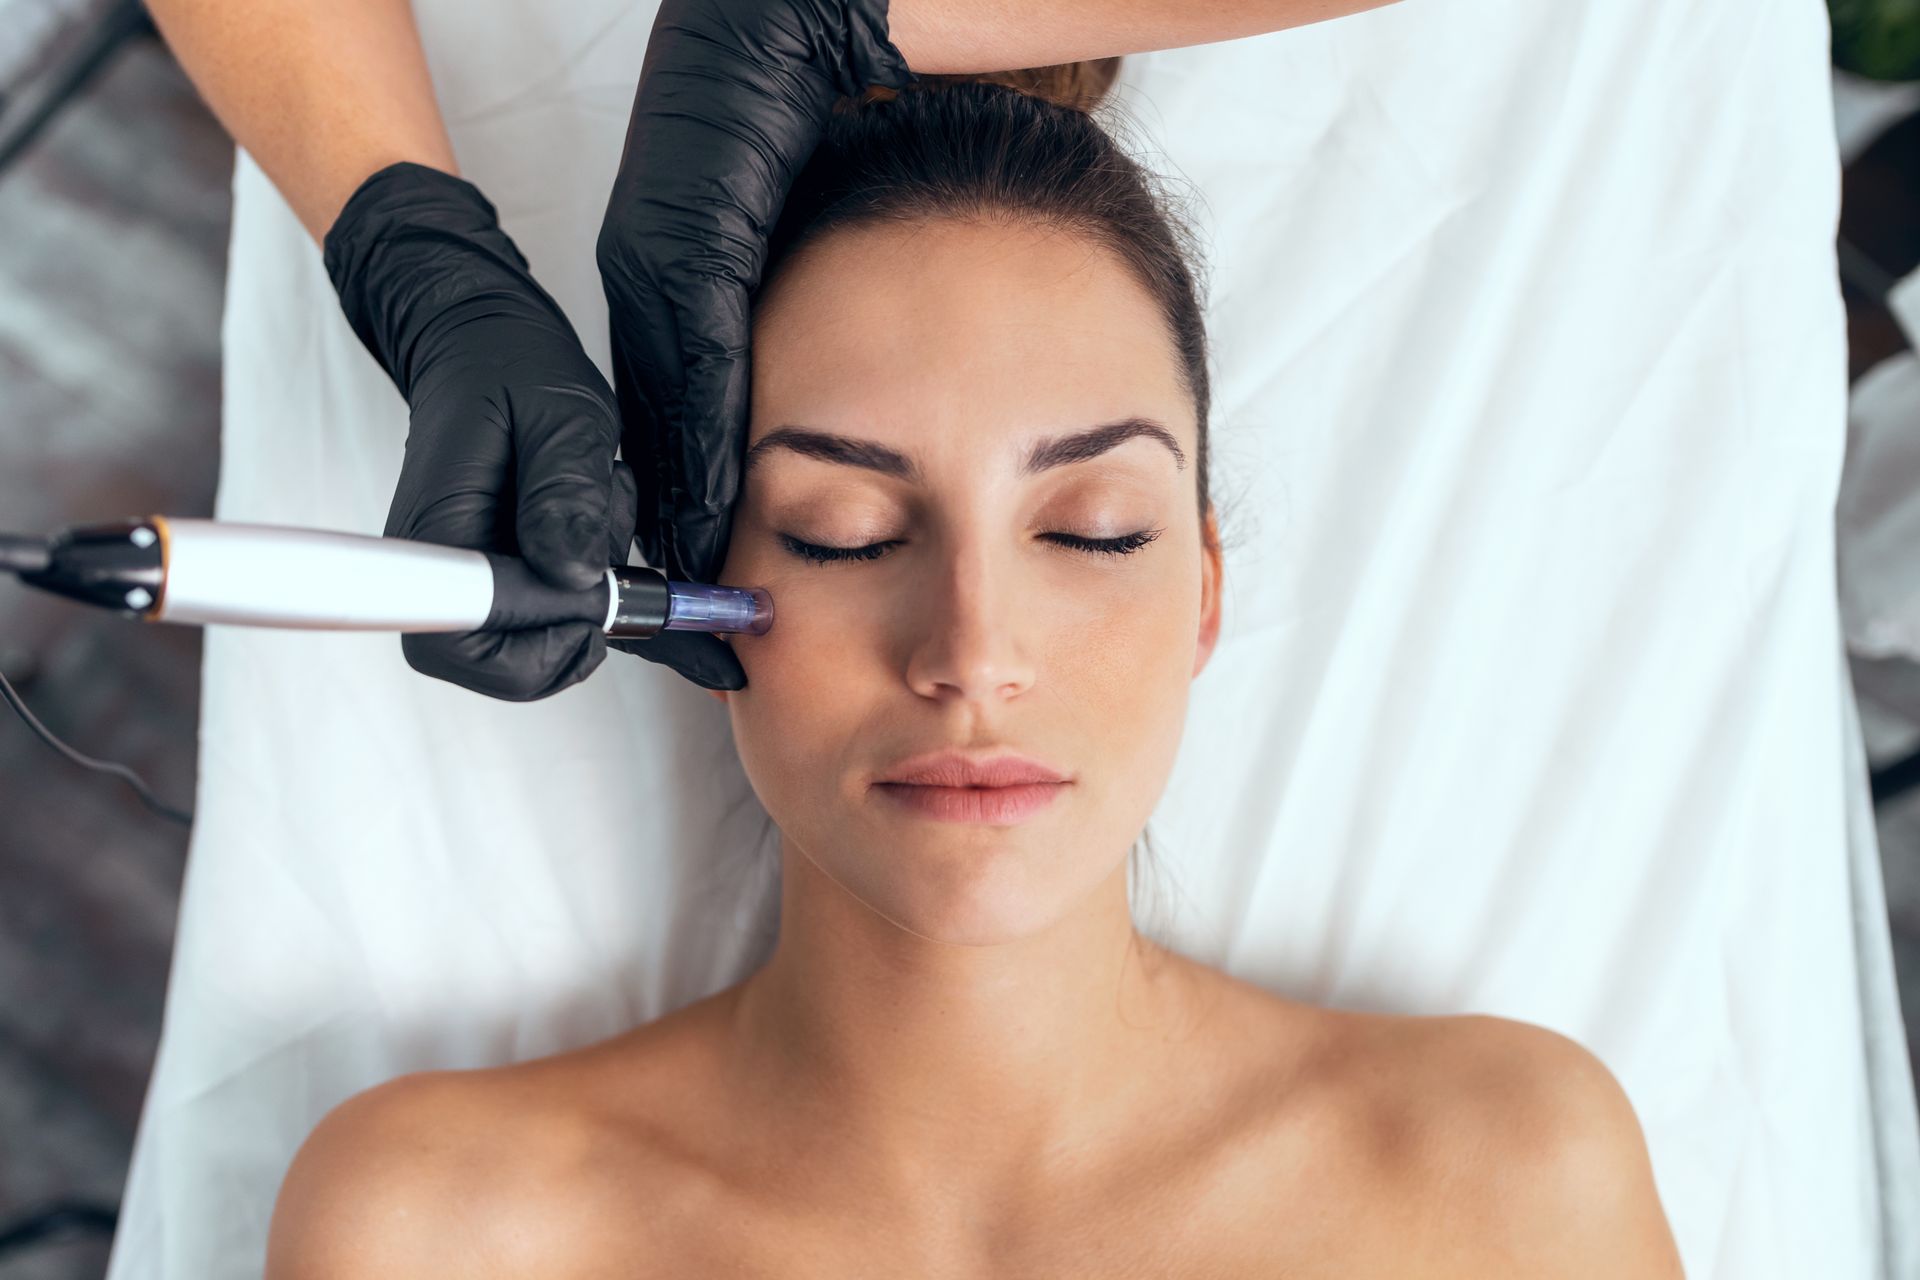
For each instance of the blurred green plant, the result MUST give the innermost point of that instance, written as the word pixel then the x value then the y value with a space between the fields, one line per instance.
pixel 1879 39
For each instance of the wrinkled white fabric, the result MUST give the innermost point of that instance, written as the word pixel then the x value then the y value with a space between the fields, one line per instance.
pixel 1530 701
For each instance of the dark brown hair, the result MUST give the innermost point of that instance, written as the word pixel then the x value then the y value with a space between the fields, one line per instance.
pixel 1016 144
pixel 1078 86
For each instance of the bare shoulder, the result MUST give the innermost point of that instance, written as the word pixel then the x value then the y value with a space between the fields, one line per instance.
pixel 1518 1145
pixel 547 1167
pixel 473 1173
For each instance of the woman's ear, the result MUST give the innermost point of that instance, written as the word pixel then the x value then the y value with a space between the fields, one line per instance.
pixel 1211 573
pixel 718 695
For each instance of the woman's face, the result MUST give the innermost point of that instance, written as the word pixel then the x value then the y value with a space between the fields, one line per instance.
pixel 917 391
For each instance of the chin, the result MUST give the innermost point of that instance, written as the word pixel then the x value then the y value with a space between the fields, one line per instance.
pixel 976 897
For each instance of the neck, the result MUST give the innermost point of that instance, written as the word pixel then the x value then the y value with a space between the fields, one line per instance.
pixel 939 1064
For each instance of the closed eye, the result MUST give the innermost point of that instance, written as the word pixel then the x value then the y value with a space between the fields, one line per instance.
pixel 1124 545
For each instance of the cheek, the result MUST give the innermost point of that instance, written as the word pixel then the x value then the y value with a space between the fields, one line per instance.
pixel 1122 672
pixel 810 679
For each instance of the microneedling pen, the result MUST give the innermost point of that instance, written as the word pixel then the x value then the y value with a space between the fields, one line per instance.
pixel 160 569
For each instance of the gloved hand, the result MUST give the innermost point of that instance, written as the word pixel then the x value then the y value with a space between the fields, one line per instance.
pixel 734 96
pixel 513 429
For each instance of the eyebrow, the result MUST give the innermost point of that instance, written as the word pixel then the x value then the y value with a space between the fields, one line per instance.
pixel 870 455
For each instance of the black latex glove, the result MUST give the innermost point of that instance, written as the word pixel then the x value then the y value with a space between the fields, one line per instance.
pixel 513 430
pixel 734 96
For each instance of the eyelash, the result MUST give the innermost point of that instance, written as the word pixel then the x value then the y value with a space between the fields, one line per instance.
pixel 1124 545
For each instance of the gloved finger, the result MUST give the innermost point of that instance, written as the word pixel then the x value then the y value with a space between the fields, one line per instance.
pixel 624 514
pixel 565 438
pixel 707 434
pixel 646 378
pixel 682 373
pixel 636 388
pixel 450 482
pixel 515 666
pixel 702 658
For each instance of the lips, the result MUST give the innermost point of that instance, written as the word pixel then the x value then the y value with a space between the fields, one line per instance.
pixel 957 769
pixel 953 786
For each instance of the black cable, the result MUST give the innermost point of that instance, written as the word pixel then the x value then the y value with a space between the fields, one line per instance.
pixel 132 779
pixel 72 1216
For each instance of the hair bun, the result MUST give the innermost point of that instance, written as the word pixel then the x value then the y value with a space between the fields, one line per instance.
pixel 1078 86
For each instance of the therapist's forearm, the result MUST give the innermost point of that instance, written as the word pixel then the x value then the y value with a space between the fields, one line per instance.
pixel 321 93
pixel 946 36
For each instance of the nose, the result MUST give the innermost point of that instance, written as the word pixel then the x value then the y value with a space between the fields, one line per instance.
pixel 969 642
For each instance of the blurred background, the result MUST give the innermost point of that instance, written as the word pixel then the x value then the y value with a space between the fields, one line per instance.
pixel 113 225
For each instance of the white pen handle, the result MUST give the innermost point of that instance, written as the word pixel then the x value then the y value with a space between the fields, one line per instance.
pixel 202 572
pixel 260 575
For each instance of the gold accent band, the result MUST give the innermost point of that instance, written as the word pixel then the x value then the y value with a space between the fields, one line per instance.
pixel 159 524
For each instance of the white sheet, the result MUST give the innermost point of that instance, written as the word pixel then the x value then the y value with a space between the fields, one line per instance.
pixel 1530 419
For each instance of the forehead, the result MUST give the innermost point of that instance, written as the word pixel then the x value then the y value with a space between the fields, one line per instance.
pixel 959 330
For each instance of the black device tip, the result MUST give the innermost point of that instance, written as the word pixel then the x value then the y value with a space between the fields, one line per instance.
pixel 24 553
